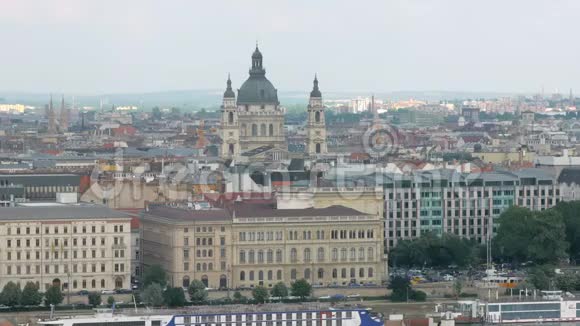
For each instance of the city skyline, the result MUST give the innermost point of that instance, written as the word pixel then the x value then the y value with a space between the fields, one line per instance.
pixel 105 47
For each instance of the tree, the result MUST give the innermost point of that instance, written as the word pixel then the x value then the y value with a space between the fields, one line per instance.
pixel 11 294
pixel 541 277
pixel 260 294
pixel 53 295
pixel 569 212
pixel 524 235
pixel 400 288
pixel 153 295
pixel 94 299
pixel 155 274
pixel 417 295
pixel 301 288
pixel 174 297
pixel 238 297
pixel 197 292
pixel 434 250
pixel 280 290
pixel 566 282
pixel 457 288
pixel 110 300
pixel 30 295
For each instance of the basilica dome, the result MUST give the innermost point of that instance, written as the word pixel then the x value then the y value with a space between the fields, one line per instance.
pixel 257 89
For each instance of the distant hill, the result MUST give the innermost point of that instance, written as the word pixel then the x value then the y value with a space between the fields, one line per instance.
pixel 211 99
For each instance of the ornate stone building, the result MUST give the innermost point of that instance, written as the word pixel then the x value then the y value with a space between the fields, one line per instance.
pixel 316 125
pixel 253 243
pixel 80 247
pixel 256 119
pixel 254 122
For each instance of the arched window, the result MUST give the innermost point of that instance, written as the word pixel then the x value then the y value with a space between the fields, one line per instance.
pixel 251 257
pixel 204 267
pixel 317 117
pixel 102 284
pixel 293 255
pixel 307 254
pixel 244 129
pixel 343 254
pixel 307 273
pixel 279 275
pixel 263 129
pixel 371 272
pixel 185 282
pixel 231 118
pixel 270 256
pixel 271 130
pixel 260 256
pixel 361 272
pixel 254 129
pixel 318 148
pixel 242 257
pixel 210 253
pixel 270 275
pixel 320 273
pixel 343 273
pixel 293 274
pixel 352 254
pixel 198 267
pixel 334 273
pixel 242 276
pixel 279 255
pixel 361 254
pixel 352 273
pixel 210 266
pixel 94 284
pixel 334 254
pixel 371 254
pixel 320 254
pixel 261 275
pixel 231 148
pixel 251 275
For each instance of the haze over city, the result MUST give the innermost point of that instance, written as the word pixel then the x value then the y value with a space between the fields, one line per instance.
pixel 289 163
pixel 92 47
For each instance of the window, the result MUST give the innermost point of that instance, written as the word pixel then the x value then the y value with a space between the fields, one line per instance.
pixel 270 256
pixel 293 255
pixel 320 254
pixel 307 254
pixel 242 257
pixel 279 256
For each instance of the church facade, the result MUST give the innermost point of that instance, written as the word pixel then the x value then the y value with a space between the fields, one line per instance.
pixel 253 121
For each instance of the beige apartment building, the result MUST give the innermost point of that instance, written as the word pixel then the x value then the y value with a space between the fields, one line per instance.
pixel 78 247
pixel 254 243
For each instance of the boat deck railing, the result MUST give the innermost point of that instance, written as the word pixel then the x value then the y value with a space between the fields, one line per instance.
pixel 205 310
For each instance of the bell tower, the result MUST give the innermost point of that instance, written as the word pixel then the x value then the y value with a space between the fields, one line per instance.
pixel 316 125
pixel 230 131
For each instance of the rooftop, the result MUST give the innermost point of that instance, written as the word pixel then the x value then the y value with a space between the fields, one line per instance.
pixel 58 213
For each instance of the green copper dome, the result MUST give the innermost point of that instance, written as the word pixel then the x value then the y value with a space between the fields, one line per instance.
pixel 257 89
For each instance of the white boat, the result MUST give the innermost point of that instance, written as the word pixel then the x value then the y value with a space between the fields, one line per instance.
pixel 267 315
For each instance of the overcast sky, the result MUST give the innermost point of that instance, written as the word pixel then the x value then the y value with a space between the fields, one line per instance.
pixel 97 46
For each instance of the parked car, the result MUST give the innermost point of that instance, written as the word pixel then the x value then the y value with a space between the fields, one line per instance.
pixel 83 292
pixel 108 292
